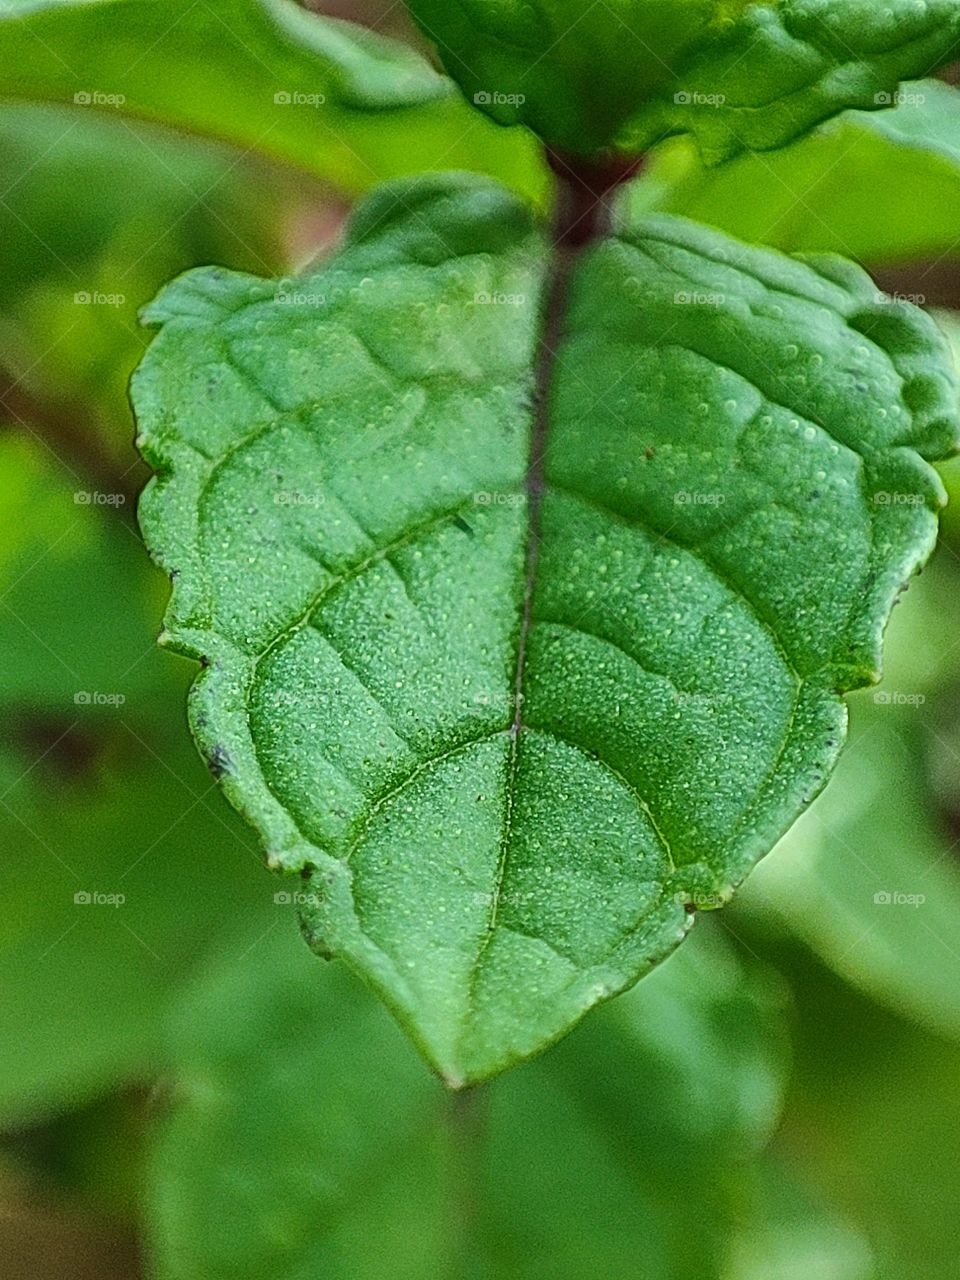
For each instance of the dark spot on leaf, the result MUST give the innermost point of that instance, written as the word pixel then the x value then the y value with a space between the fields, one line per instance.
pixel 649 453
pixel 320 948
pixel 219 761
pixel 462 524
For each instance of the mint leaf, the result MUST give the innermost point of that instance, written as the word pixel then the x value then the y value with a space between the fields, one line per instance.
pixel 326 97
pixel 736 75
pixel 284 1155
pixel 512 723
pixel 877 186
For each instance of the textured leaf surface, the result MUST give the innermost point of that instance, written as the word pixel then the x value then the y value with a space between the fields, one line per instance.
pixel 327 97
pixel 286 1157
pixel 737 75
pixel 510 764
pixel 877 186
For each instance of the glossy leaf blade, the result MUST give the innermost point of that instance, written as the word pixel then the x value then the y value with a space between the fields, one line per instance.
pixel 328 97
pixel 736 75
pixel 513 726
pixel 876 186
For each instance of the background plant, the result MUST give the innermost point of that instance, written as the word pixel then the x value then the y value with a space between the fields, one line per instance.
pixel 272 1148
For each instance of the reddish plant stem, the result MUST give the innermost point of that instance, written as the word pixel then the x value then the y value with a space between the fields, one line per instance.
pixel 584 186
pixel 581 216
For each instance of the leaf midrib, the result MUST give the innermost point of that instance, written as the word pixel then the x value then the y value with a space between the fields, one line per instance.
pixel 549 330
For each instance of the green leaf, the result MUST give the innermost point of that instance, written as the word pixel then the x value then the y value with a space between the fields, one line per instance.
pixel 513 726
pixel 949 324
pixel 868 877
pixel 96 215
pixel 285 1156
pixel 855 1065
pixel 326 97
pixel 788 1232
pixel 736 75
pixel 101 793
pixel 878 186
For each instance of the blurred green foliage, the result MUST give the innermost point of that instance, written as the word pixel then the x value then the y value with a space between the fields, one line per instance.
pixel 812 195
pixel 593 1155
pixel 97 213
pixel 778 1102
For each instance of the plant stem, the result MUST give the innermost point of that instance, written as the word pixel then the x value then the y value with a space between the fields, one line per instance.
pixel 581 216
pixel 582 212
pixel 466 1123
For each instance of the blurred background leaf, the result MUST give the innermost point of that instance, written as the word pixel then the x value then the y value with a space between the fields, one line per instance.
pixel 140 138
pixel 868 877
pixel 871 1122
pixel 285 1156
pixel 95 215
pixel 101 793
pixel 876 186
pixel 325 97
